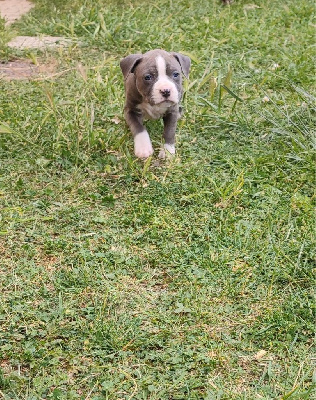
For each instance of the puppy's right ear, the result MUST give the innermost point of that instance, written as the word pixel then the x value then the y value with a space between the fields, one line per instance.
pixel 129 63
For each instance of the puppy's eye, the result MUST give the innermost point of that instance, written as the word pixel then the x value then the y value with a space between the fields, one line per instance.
pixel 175 74
pixel 147 77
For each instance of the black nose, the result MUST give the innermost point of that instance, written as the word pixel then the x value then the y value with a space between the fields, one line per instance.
pixel 165 93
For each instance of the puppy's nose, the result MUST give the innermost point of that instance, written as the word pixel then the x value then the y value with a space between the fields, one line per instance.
pixel 165 93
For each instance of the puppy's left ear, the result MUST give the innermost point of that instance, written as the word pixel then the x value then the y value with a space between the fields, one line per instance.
pixel 129 63
pixel 184 61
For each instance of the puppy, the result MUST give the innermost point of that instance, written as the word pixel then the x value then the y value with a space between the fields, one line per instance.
pixel 153 90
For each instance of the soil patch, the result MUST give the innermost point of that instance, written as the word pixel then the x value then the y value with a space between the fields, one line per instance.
pixel 25 69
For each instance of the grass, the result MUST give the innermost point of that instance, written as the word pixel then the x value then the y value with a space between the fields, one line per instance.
pixel 191 278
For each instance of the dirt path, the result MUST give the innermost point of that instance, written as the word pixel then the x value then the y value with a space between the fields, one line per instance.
pixel 11 10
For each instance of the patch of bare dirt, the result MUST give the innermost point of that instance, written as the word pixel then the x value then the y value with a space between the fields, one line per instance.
pixel 25 69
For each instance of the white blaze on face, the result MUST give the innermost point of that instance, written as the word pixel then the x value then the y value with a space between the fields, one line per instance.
pixel 164 83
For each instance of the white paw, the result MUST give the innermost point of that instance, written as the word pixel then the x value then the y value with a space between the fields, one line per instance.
pixel 142 145
pixel 168 149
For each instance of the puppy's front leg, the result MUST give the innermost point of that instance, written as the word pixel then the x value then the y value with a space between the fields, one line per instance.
pixel 142 144
pixel 170 125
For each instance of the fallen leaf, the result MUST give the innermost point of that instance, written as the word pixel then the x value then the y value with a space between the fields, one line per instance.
pixel 4 128
pixel 260 355
pixel 116 120
pixel 250 6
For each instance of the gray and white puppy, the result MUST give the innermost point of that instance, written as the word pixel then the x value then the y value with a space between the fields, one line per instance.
pixel 153 89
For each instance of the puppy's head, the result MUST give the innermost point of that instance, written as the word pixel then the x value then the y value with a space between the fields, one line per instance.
pixel 157 75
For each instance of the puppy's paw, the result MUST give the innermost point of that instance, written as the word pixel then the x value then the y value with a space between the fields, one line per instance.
pixel 168 149
pixel 144 153
pixel 142 145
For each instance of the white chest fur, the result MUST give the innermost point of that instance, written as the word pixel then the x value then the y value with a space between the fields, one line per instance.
pixel 154 112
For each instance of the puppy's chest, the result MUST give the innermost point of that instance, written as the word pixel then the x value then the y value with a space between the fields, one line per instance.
pixel 154 111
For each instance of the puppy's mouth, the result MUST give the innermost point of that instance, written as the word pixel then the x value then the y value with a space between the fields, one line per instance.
pixel 164 101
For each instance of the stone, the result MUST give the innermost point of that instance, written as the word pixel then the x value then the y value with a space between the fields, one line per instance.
pixel 30 42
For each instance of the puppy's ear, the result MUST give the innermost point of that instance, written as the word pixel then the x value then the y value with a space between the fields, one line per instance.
pixel 129 63
pixel 184 62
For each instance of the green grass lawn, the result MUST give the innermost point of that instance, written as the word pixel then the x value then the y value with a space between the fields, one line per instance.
pixel 190 278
